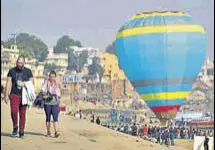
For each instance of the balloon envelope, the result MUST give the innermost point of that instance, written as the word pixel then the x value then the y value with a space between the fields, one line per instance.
pixel 161 53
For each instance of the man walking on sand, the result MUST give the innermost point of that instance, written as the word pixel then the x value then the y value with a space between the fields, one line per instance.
pixel 15 82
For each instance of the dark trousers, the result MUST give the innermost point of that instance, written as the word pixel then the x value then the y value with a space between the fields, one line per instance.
pixel 51 110
pixel 16 106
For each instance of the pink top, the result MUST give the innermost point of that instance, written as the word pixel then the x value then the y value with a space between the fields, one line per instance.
pixel 52 88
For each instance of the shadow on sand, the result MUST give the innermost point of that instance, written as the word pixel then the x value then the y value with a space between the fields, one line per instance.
pixel 6 134
pixel 26 133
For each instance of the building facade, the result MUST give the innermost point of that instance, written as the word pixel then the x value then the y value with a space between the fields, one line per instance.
pixel 207 73
pixel 111 69
pixel 58 59
pixel 8 60
pixel 5 66
pixel 13 53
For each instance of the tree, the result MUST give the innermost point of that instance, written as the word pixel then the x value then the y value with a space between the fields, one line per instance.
pixel 30 46
pixel 76 62
pixel 82 59
pixel 78 44
pixel 64 43
pixel 100 71
pixel 72 61
pixel 95 67
pixel 8 43
pixel 111 48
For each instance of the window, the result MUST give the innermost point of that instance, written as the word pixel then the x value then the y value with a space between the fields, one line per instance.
pixel 209 71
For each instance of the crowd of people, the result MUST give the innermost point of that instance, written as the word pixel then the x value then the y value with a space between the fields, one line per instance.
pixel 161 135
pixel 154 133
pixel 79 115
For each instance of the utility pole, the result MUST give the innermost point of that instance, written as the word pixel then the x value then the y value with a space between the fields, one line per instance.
pixel 14 37
pixel 78 73
pixel 78 54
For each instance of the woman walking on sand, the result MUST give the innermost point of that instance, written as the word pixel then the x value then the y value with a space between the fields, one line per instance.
pixel 51 95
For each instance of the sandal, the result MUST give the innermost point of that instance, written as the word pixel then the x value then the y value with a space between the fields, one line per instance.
pixel 57 134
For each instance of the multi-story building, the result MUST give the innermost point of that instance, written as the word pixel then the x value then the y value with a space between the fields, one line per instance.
pixel 4 67
pixel 8 60
pixel 111 68
pixel 122 89
pixel 13 53
pixel 58 59
pixel 207 73
pixel 92 52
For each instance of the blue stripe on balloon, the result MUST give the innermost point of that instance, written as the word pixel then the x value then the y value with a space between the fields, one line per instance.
pixel 161 55
pixel 164 88
pixel 153 103
pixel 157 20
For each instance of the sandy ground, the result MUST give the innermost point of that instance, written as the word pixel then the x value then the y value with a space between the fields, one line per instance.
pixel 184 143
pixel 75 135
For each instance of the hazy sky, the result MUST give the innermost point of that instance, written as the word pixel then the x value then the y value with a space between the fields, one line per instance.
pixel 93 22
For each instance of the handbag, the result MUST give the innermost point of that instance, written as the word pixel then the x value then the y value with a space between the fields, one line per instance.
pixel 47 96
pixel 39 101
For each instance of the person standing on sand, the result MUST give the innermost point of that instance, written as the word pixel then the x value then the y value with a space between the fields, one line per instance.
pixel 149 131
pixel 52 106
pixel 16 79
pixel 206 145
pixel 178 133
pixel 92 117
pixel 145 130
pixel 80 112
pixel 98 121
pixel 134 129
pixel 171 136
pixel 162 137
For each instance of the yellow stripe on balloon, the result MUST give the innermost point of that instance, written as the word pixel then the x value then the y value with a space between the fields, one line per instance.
pixel 157 29
pixel 158 14
pixel 165 96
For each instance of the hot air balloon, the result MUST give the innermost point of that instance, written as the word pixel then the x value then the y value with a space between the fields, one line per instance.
pixel 162 53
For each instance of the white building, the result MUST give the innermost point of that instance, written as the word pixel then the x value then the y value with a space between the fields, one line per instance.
pixel 92 52
pixel 207 73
